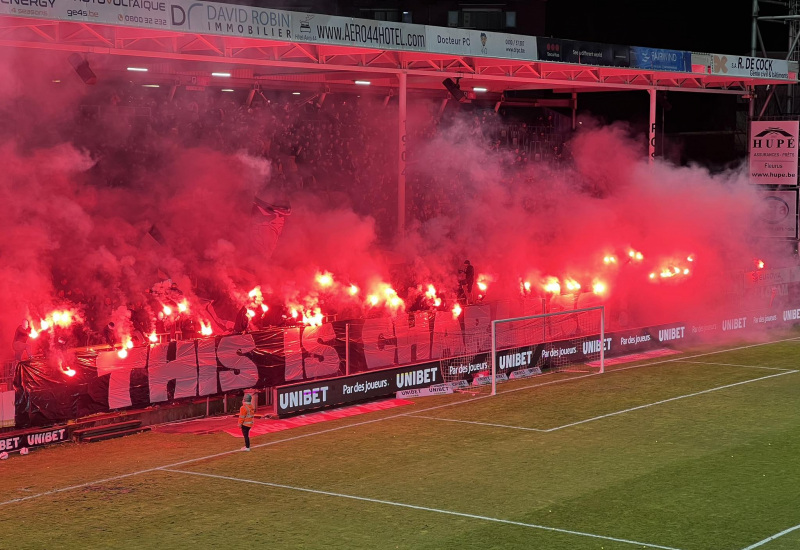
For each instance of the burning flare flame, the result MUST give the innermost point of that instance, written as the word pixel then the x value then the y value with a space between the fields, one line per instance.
pixel 324 279
pixel 552 285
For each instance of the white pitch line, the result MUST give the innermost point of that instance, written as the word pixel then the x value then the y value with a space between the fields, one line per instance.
pixel 668 400
pixel 734 365
pixel 422 508
pixel 478 423
pixel 412 415
pixel 773 537
pixel 346 426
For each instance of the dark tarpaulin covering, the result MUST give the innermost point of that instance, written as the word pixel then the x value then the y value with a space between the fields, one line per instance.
pixel 45 394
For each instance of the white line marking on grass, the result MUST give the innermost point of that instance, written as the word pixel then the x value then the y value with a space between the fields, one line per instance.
pixel 734 365
pixel 346 426
pixel 415 507
pixel 479 423
pixel 668 400
pixel 773 537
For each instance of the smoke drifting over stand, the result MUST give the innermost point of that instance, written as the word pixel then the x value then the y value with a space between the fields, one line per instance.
pixel 110 190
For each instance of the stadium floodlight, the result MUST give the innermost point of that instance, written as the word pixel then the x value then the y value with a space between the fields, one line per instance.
pixel 221 75
pixel 564 341
pixel 138 69
pixel 363 82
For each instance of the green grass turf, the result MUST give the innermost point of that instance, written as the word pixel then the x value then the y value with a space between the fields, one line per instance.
pixel 712 471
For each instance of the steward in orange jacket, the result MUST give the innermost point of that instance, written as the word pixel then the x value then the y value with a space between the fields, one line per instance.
pixel 246 415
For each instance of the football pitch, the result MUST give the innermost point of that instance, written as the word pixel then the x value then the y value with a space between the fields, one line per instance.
pixel 694 451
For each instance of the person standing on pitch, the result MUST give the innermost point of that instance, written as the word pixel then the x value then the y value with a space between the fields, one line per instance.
pixel 246 415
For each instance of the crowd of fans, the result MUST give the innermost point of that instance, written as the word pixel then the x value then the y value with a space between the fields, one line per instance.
pixel 342 147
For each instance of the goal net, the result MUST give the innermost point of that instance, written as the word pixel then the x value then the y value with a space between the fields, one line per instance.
pixel 568 341
pixel 470 368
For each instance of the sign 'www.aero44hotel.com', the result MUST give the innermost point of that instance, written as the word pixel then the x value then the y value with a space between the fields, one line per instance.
pixel 773 152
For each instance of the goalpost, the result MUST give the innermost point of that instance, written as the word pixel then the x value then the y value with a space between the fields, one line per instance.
pixel 562 341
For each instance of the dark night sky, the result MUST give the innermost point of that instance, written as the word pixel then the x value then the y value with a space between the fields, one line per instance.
pixel 713 26
pixel 701 25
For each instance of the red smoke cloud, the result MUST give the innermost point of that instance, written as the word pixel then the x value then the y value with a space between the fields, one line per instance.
pixel 74 234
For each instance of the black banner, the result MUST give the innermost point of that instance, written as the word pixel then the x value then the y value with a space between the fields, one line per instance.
pixel 33 439
pixel 358 387
pixel 103 381
pixel 583 53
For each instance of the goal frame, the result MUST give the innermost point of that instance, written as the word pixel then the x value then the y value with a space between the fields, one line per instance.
pixel 493 357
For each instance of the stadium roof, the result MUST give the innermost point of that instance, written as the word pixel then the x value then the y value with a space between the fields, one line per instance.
pixel 183 42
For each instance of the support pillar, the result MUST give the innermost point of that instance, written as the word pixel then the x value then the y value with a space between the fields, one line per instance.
pixel 401 158
pixel 574 110
pixel 651 146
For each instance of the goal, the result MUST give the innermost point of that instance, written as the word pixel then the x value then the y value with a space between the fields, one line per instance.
pixel 470 364
pixel 563 341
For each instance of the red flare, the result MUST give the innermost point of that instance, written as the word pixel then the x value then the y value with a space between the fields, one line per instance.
pixel 552 285
pixel 572 285
pixel 457 310
pixel 324 279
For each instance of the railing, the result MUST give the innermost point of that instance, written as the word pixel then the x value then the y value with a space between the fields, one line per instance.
pixel 6 375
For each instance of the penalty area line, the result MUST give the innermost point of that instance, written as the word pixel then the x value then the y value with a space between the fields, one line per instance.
pixel 669 400
pixel 735 365
pixel 773 537
pixel 478 423
pixel 421 508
